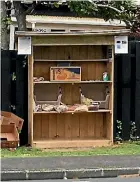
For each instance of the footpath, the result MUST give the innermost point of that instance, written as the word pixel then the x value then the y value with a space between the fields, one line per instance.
pixel 39 168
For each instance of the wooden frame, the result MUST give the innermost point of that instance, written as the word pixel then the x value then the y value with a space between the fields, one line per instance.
pixel 70 129
pixel 30 99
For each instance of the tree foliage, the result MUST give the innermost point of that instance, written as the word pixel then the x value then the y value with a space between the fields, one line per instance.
pixel 123 10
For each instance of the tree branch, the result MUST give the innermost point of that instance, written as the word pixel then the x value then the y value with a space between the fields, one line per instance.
pixel 106 6
pixel 110 7
pixel 34 4
pixel 10 9
pixel 30 9
pixel 20 15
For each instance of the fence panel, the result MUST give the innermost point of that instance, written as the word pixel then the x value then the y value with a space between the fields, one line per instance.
pixel 15 88
pixel 5 81
pixel 22 95
pixel 137 94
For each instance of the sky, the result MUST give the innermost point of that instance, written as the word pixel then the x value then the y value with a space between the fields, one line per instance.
pixel 138 2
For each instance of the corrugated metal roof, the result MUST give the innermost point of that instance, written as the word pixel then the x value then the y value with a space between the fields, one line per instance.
pixel 101 32
pixel 70 20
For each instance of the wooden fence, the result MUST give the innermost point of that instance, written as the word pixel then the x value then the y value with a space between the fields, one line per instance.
pixel 127 90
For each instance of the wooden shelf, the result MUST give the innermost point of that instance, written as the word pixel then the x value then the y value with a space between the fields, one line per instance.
pixel 71 143
pixel 76 60
pixel 68 112
pixel 94 82
pixel 71 129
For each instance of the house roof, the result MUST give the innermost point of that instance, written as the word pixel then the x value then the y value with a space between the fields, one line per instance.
pixel 71 20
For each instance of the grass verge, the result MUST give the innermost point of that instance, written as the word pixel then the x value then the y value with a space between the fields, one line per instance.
pixel 132 148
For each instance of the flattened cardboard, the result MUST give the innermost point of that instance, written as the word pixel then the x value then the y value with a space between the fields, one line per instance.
pixel 9 118
pixel 9 136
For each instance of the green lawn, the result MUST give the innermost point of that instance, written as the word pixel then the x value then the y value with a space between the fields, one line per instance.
pixel 128 148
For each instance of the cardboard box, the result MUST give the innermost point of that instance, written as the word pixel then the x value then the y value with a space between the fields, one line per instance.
pixel 9 136
pixel 65 74
pixel 9 118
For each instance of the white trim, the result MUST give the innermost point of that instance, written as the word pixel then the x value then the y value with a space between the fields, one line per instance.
pixel 12 37
pixel 33 25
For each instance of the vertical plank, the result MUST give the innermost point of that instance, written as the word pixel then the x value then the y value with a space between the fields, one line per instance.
pixel 137 94
pixel 5 80
pixel 61 126
pixel 20 94
pixel 83 125
pixel 91 70
pixel 100 68
pixel 83 52
pixel 37 52
pixel 45 126
pixel 37 126
pixel 75 133
pixel 30 99
pixel 109 126
pixel 99 125
pixel 60 53
pixel 75 95
pixel 133 54
pixel 67 95
pixel 84 71
pixel 91 52
pixel 109 69
pixel 112 96
pixel 68 125
pixel 52 53
pixel 98 52
pixel 105 125
pixel 52 126
pixel 91 125
pixel 115 104
pixel 76 52
pixel 68 52
pixel 126 94
pixel 45 52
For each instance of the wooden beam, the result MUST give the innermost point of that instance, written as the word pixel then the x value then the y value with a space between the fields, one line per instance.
pixel 72 40
pixel 50 144
pixel 112 94
pixel 30 99
pixel 83 33
pixel 70 60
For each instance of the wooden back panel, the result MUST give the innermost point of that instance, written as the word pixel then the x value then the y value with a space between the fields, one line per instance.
pixel 89 70
pixel 79 125
pixel 71 126
pixel 70 93
pixel 70 52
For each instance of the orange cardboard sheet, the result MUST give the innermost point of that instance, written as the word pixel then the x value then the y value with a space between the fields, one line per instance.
pixel 8 118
